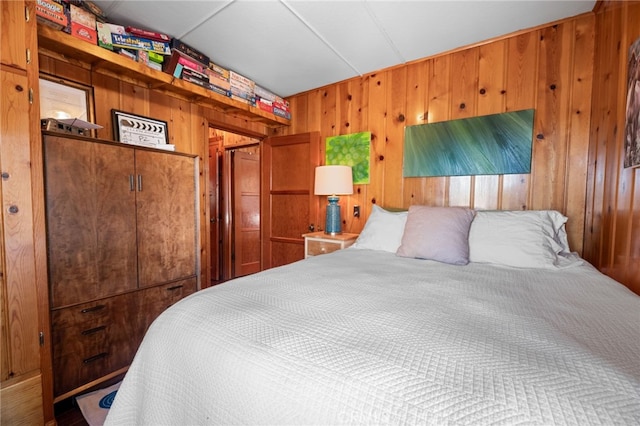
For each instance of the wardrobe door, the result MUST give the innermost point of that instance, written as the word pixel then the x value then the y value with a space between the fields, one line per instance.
pixel 91 219
pixel 166 216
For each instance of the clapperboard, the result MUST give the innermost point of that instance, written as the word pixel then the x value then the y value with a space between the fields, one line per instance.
pixel 141 130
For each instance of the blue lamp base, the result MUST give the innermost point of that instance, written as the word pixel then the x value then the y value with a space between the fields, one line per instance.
pixel 333 224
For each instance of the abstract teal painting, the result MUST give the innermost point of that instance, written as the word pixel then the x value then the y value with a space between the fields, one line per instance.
pixel 488 145
pixel 350 150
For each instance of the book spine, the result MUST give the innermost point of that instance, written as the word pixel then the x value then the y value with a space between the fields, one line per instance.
pixel 186 71
pixel 148 34
pixel 264 93
pixel 281 113
pixel 191 64
pixel 189 51
pixel 138 43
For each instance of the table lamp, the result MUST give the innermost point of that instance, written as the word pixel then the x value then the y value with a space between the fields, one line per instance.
pixel 333 181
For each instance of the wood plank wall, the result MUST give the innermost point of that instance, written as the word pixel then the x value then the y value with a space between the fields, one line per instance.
pixel 612 237
pixel 548 68
pixel 188 123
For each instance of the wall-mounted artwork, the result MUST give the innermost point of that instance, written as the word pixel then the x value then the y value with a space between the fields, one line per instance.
pixel 350 150
pixel 487 145
pixel 632 123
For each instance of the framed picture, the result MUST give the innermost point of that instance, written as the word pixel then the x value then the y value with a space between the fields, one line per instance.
pixel 138 130
pixel 632 122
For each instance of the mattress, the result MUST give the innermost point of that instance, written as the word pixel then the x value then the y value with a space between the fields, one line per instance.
pixel 366 337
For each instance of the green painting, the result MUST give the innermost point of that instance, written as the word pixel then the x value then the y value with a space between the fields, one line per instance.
pixel 488 145
pixel 350 150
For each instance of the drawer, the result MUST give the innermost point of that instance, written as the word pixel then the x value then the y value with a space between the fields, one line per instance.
pixel 81 340
pixel 92 313
pixel 315 247
pixel 156 300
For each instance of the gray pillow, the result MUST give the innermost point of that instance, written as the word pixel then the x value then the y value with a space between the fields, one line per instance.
pixel 437 233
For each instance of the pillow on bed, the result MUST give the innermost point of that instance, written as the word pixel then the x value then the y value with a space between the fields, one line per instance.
pixel 437 233
pixel 383 230
pixel 523 239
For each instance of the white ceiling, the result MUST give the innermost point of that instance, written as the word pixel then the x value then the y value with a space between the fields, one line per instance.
pixel 290 46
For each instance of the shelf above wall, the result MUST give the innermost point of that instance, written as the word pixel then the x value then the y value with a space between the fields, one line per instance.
pixel 59 44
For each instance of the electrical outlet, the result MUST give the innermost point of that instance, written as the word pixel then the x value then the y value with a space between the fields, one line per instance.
pixel 356 211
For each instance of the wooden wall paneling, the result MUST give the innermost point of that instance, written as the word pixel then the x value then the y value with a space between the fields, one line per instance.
pixel 299 108
pixel 521 77
pixel 611 152
pixel 394 138
pixel 180 128
pixel 377 114
pixel 437 188
pixel 106 96
pixel 328 128
pixel 360 121
pixel 18 270
pixel 343 127
pixel 134 99
pixel 315 115
pixel 548 172
pixel 417 94
pixel 625 182
pixel 13 33
pixel 464 89
pixel 490 100
pixel 578 135
pixel 598 140
pixel 600 220
pixel 612 233
pixel 65 68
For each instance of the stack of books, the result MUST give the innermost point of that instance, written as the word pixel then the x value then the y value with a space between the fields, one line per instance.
pixel 242 88
pixel 51 13
pixel 189 64
pixel 144 46
pixel 281 108
pixel 219 78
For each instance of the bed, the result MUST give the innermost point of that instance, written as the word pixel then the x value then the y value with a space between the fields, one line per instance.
pixel 387 332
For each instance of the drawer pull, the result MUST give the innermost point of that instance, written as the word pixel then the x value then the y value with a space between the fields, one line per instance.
pixel 95 358
pixel 93 309
pixel 175 287
pixel 93 330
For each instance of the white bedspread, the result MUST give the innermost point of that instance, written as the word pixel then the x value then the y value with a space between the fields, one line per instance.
pixel 365 337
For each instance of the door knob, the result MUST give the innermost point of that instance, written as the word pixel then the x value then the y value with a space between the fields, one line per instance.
pixel 312 228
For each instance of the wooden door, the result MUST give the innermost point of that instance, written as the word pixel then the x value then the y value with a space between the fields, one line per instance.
pixel 289 207
pixel 246 213
pixel 167 216
pixel 91 219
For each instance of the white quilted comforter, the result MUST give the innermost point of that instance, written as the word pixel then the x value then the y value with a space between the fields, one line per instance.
pixel 365 337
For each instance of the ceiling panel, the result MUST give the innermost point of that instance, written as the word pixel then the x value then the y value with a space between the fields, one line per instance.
pixel 266 42
pixel 291 46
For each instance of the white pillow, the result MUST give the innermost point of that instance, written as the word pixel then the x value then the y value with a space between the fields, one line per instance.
pixel 383 230
pixel 523 239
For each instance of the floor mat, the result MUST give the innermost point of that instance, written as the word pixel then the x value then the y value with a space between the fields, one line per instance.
pixel 95 405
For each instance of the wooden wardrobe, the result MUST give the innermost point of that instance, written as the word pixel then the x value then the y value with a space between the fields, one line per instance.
pixel 122 239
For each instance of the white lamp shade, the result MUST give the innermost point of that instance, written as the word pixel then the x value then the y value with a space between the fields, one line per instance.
pixel 333 180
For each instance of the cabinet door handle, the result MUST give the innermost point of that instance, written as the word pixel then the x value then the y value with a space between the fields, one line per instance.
pixel 92 309
pixel 132 183
pixel 95 358
pixel 139 183
pixel 93 330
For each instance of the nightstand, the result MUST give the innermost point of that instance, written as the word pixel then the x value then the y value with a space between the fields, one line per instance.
pixel 316 243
